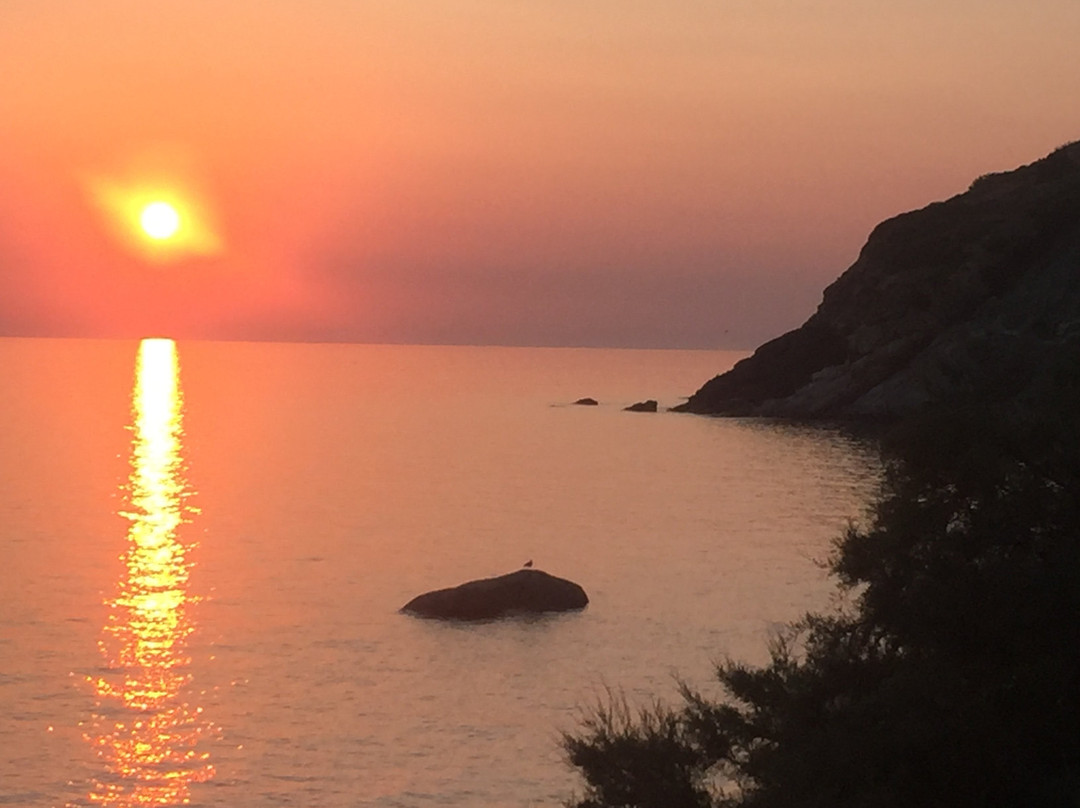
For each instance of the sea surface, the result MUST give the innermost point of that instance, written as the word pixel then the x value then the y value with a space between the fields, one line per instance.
pixel 204 548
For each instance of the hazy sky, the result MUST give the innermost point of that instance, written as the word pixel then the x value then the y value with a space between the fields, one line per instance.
pixel 559 172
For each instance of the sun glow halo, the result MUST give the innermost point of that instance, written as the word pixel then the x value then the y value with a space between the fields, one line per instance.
pixel 161 217
pixel 159 220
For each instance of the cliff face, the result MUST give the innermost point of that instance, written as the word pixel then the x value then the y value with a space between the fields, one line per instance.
pixel 973 299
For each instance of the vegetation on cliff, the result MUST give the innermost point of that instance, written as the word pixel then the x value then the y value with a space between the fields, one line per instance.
pixel 952 678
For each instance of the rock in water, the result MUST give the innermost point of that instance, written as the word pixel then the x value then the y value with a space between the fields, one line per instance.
pixel 587 402
pixel 642 406
pixel 526 591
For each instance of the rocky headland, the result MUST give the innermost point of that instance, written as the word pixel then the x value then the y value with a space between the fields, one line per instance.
pixel 972 300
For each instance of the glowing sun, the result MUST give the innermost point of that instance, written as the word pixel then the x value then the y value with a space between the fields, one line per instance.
pixel 161 217
pixel 159 220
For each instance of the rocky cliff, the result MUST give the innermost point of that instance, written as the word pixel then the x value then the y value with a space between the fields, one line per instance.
pixel 973 299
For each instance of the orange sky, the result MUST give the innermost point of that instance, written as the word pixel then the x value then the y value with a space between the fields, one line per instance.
pixel 612 172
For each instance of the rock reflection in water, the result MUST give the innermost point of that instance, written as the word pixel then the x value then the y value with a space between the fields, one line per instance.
pixel 145 730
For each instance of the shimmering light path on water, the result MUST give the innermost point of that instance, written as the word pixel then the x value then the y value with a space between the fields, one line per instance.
pixel 145 730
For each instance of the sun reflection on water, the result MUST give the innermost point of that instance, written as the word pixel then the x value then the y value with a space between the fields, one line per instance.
pixel 145 730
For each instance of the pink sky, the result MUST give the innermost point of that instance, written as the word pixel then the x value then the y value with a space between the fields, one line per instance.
pixel 612 172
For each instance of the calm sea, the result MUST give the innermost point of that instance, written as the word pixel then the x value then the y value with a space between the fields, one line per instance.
pixel 204 549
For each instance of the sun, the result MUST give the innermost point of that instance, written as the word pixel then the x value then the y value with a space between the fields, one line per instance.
pixel 162 217
pixel 159 220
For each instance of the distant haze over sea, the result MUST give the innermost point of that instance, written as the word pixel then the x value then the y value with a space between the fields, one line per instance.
pixel 652 174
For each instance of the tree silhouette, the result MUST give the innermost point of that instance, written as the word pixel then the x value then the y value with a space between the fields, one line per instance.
pixel 952 678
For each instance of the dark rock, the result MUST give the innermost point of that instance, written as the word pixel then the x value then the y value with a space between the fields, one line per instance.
pixel 971 300
pixel 642 406
pixel 525 591
pixel 587 402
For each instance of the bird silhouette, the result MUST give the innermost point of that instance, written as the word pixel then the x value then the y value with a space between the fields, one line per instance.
pixel 527 563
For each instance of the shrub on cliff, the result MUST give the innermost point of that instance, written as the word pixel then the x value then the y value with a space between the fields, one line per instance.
pixel 952 680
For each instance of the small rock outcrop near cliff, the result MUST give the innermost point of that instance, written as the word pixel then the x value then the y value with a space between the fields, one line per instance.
pixel 642 406
pixel 527 591
pixel 974 299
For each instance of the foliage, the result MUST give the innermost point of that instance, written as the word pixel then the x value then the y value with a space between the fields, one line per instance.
pixel 953 679
pixel 648 759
